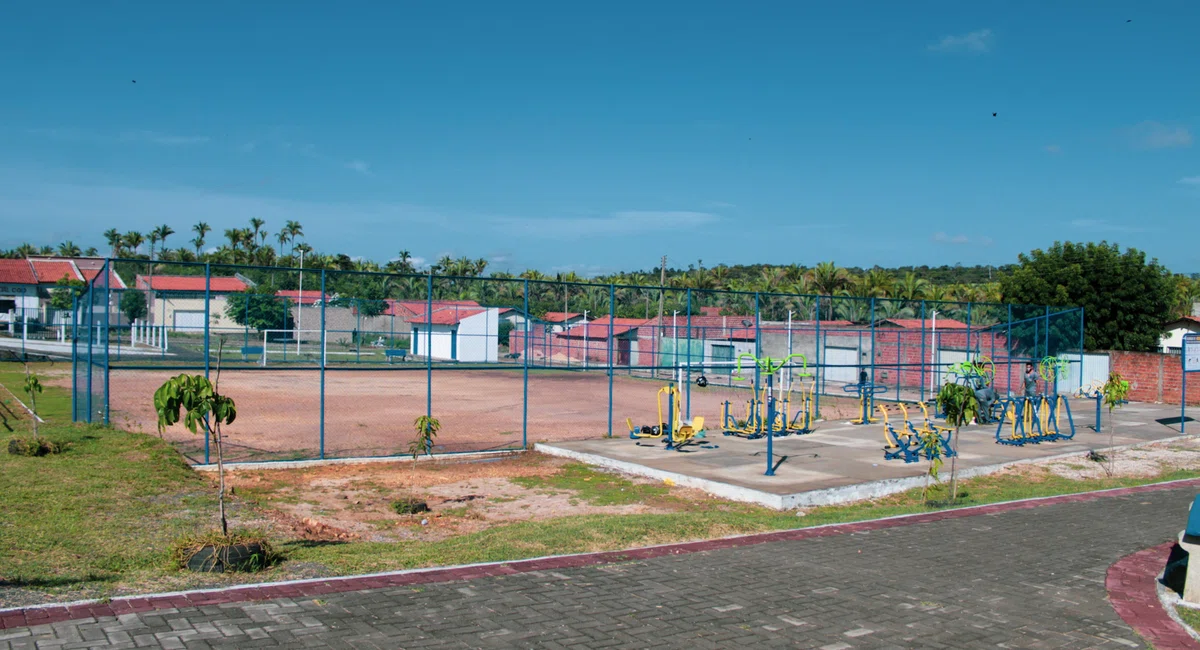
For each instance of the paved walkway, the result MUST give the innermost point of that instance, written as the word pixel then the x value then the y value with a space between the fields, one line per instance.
pixel 1027 577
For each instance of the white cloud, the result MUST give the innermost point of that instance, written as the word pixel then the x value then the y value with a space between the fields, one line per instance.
pixel 976 42
pixel 359 166
pixel 617 223
pixel 88 207
pixel 125 137
pixel 1053 148
pixel 1190 180
pixel 943 238
pixel 1156 135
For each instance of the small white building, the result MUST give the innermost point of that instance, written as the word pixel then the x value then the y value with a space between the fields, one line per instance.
pixel 457 333
pixel 1172 337
pixel 561 321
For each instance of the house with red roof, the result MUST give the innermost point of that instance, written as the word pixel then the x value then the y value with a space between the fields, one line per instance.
pixel 455 332
pixel 178 301
pixel 26 285
pixel 562 320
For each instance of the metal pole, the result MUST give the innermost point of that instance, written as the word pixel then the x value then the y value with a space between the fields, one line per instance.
pixel 1183 352
pixel 74 358
pixel 688 337
pixel 207 339
pixel 933 357
pixel 428 343
pixel 819 379
pixel 107 323
pixel 525 377
pixel 612 327
pixel 1008 348
pixel 1081 340
pixel 922 382
pixel 321 448
pixel 788 384
pixel 300 305
pixel 871 402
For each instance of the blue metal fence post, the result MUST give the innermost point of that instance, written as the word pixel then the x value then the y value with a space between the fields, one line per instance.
pixel 1183 352
pixel 688 338
pixel 819 378
pixel 612 327
pixel 969 331
pixel 107 322
pixel 525 375
pixel 428 343
pixel 322 342
pixel 1081 350
pixel 91 334
pixel 74 357
pixel 871 402
pixel 1008 348
pixel 922 350
pixel 207 338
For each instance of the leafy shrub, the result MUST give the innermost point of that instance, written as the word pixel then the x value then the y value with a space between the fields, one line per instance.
pixel 409 506
pixel 35 446
pixel 183 549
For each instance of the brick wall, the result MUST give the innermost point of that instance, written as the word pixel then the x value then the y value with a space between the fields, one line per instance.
pixel 1154 377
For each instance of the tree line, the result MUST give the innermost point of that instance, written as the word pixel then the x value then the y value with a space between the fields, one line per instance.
pixel 1126 296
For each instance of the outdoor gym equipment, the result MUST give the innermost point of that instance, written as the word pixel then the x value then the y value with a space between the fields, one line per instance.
pixel 1095 392
pixel 672 430
pixel 866 391
pixel 1034 419
pixel 977 375
pixel 908 443
pixel 766 421
pixel 766 415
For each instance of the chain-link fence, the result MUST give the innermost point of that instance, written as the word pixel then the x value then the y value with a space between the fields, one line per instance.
pixel 327 363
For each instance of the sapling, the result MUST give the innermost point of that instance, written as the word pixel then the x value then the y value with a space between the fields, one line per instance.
pixel 203 407
pixel 961 405
pixel 1116 393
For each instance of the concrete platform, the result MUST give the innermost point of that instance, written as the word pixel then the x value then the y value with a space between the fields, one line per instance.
pixel 841 462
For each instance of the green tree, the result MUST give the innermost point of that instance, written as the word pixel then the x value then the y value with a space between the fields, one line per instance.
pixel 1126 299
pixel 64 291
pixel 133 305
pixel 259 308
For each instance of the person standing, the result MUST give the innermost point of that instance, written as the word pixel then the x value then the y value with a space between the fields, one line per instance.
pixel 1031 380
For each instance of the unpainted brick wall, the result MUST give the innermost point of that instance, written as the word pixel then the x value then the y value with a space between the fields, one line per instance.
pixel 1154 377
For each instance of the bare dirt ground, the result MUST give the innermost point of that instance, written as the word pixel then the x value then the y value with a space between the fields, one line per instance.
pixel 1148 460
pixel 353 502
pixel 371 412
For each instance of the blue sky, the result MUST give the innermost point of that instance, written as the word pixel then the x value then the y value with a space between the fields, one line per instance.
pixel 555 136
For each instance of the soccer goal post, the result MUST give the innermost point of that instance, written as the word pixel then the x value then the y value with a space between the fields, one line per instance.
pixel 280 346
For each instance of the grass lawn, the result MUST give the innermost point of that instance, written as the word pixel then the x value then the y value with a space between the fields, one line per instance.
pixel 99 519
pixel 1190 616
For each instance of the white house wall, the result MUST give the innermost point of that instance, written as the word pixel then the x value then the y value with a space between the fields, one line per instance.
pixel 436 337
pixel 479 337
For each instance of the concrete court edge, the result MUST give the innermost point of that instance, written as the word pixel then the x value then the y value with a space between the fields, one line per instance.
pixel 1132 585
pixel 92 609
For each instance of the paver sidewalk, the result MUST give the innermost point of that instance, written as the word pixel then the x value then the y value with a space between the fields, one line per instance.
pixel 1016 578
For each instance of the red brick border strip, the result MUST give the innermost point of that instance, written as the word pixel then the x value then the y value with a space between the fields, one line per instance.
pixel 40 615
pixel 1133 591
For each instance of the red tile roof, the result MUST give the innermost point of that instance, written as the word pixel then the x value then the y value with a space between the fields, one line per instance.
pixel 50 271
pixel 308 298
pixel 190 283
pixel 560 316
pixel 409 308
pixel 916 323
pixel 1195 320
pixel 17 272
pixel 452 315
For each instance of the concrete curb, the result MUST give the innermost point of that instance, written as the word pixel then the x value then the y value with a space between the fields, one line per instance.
pixel 820 497
pixel 370 460
pixel 1132 585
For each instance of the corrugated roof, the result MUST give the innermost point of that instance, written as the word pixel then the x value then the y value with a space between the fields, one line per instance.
pixel 190 283
pixel 17 272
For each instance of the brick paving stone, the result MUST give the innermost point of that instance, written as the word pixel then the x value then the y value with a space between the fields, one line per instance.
pixel 1030 577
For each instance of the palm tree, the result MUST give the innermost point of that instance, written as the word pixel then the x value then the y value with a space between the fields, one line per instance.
pixel 282 238
pixel 26 250
pixel 164 231
pixel 91 252
pixel 133 240
pixel 69 249
pixel 201 229
pixel 827 278
pixel 293 230
pixel 198 243
pixel 911 288
pixel 113 237
pixel 153 239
